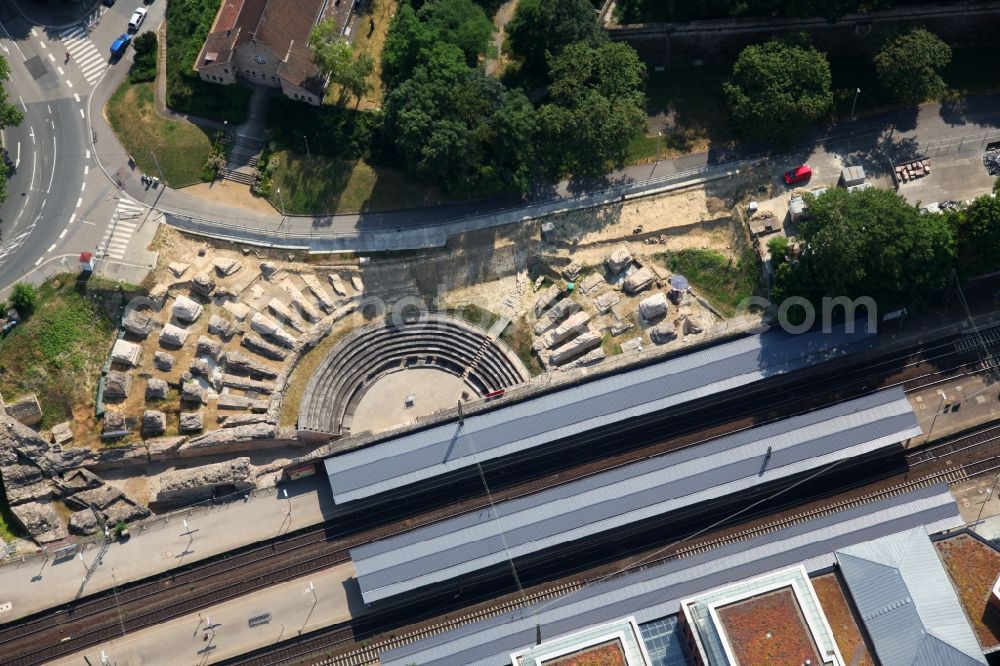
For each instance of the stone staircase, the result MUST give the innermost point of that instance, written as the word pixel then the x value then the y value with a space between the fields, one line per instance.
pixel 243 159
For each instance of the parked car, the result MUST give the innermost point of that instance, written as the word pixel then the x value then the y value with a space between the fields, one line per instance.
pixel 799 174
pixel 109 3
pixel 138 16
pixel 120 45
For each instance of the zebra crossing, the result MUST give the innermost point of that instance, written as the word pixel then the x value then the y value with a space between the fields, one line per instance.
pixel 91 61
pixel 126 220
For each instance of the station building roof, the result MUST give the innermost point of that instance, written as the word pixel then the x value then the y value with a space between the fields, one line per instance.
pixel 396 463
pixel 632 493
pixel 657 592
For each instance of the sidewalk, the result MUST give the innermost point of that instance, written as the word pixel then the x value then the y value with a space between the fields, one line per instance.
pixel 39 582
pixel 224 631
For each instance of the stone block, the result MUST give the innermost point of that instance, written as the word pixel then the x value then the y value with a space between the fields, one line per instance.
pixel 299 302
pixel 173 336
pixel 208 347
pixel 83 523
pixel 547 298
pixel 619 260
pixel 138 324
pixel 662 333
pixel 192 393
pixel 337 284
pixel 163 361
pixel 221 327
pixel 272 330
pixel 62 432
pixel 25 410
pixel 606 301
pixel 154 423
pixel 653 307
pixel 318 291
pixel 41 520
pixel 557 313
pixel 639 280
pixel 238 310
pixel 157 389
pixel 126 353
pixel 203 284
pixel 575 347
pixel 239 364
pixel 117 385
pixel 226 266
pixel 283 313
pixel 264 348
pixel 177 268
pixel 191 421
pixel 186 310
pixel 114 425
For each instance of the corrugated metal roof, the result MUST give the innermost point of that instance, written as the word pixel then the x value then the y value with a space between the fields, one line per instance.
pixel 520 426
pixel 907 602
pixel 657 592
pixel 631 493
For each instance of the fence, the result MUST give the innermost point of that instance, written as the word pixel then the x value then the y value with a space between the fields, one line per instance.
pixel 970 145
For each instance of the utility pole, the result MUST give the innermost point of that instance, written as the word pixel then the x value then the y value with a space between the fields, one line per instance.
pixel 857 91
pixel 162 177
pixel 308 154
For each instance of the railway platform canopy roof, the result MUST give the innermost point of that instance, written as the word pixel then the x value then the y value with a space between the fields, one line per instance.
pixel 516 428
pixel 657 592
pixel 675 482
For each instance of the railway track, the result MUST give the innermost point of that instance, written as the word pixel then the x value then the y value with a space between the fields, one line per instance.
pixel 368 653
pixel 97 619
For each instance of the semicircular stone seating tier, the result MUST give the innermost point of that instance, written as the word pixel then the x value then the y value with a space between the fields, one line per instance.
pixel 366 355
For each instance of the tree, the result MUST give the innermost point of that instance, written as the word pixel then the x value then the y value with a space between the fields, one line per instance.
pixel 777 89
pixel 23 298
pixel 977 231
pixel 869 243
pixel 334 56
pixel 596 107
pixel 542 27
pixel 909 66
pixel 459 22
pixel 10 115
pixel 415 31
pixel 460 129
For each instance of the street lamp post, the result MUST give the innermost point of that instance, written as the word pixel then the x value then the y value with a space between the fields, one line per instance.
pixel 308 154
pixel 857 91
pixel 281 202
pixel 162 177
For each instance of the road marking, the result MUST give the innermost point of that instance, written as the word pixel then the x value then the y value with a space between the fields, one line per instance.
pixel 82 114
pixel 51 247
pixel 55 152
pixel 63 234
pixel 15 43
pixel 83 186
pixel 86 169
pixel 69 83
pixel 76 96
pixel 90 223
pixel 33 33
pixel 17 162
pixel 44 201
pixel 49 108
pixel 79 202
pixel 5 49
pixel 53 123
pixel 32 135
pixel 88 154
pixel 72 217
pixel 88 57
pixel 60 70
pixel 52 57
pixel 39 261
pixel 43 45
pixel 23 104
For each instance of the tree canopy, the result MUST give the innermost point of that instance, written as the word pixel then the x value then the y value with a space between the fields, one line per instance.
pixel 460 129
pixel 461 23
pixel 596 107
pixel 10 116
pixel 334 56
pixel 909 66
pixel 977 231
pixel 868 243
pixel 777 89
pixel 541 27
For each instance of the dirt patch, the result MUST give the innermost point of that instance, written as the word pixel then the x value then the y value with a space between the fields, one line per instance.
pixel 230 193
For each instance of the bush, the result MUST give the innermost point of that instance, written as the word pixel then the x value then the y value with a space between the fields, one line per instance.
pixel 144 60
pixel 24 298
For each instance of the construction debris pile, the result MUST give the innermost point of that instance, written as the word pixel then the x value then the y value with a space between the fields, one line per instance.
pixel 913 170
pixel 991 160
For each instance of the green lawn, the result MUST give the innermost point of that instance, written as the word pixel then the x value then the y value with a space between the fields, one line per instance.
pixel 58 352
pixel 181 148
pixel 722 281
pixel 476 316
pixel 692 99
pixel 323 184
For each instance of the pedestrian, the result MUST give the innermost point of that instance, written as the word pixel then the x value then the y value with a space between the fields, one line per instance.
pixel 371 27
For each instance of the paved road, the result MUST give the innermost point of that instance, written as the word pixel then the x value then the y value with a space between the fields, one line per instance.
pixel 60 202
